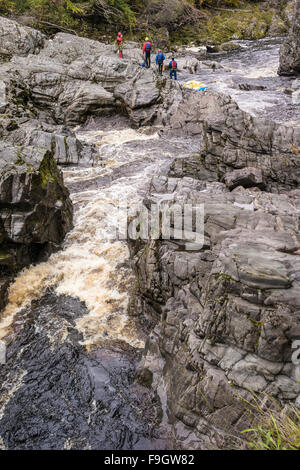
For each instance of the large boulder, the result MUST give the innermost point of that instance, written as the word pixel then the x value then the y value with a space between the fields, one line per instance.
pixel 19 40
pixel 73 78
pixel 35 208
pixel 290 50
pixel 67 148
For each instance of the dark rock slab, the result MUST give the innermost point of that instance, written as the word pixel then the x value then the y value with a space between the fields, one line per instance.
pixel 55 395
pixel 4 285
pixel 246 177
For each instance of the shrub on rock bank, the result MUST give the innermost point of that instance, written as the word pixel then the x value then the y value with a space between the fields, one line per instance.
pixel 185 21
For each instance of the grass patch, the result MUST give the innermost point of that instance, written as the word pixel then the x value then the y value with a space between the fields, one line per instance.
pixel 274 427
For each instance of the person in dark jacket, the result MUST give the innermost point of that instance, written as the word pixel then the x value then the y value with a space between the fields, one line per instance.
pixel 160 61
pixel 147 48
pixel 173 68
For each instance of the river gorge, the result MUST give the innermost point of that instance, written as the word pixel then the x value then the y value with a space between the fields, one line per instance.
pixel 145 344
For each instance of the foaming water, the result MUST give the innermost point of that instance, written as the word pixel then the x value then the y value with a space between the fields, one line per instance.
pixel 92 266
pixel 117 137
pixel 249 76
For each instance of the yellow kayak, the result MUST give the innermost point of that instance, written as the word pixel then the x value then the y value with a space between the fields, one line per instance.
pixel 196 86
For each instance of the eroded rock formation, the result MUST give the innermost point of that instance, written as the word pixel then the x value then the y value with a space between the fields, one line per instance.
pixel 290 50
pixel 74 77
pixel 35 209
pixel 226 314
pixel 233 139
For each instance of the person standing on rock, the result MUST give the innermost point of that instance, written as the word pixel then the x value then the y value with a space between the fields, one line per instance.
pixel 173 68
pixel 147 48
pixel 119 42
pixel 160 61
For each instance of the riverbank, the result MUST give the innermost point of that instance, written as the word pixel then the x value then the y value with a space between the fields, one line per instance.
pixel 209 26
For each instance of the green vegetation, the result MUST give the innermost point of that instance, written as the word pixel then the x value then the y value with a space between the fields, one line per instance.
pixel 224 26
pixel 279 430
pixel 170 21
pixel 47 170
pixel 77 15
pixel 4 255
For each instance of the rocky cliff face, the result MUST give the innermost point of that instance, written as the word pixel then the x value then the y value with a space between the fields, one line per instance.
pixel 35 208
pixel 290 50
pixel 232 139
pixel 227 312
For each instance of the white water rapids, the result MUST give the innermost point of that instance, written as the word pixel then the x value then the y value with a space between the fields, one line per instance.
pixel 89 266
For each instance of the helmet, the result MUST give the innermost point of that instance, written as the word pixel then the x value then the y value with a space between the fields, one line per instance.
pixel 119 34
pixel 146 39
pixel 159 50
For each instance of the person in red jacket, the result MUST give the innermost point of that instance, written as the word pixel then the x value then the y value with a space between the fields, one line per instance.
pixel 119 41
pixel 147 48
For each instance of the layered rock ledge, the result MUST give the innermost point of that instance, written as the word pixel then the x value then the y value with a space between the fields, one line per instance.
pixel 233 139
pixel 35 208
pixel 227 314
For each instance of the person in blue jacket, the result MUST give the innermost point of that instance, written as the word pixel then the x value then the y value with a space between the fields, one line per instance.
pixel 160 61
pixel 173 68
pixel 147 48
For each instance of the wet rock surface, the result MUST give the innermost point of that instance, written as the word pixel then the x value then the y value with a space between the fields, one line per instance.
pixel 68 398
pixel 112 411
pixel 4 285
